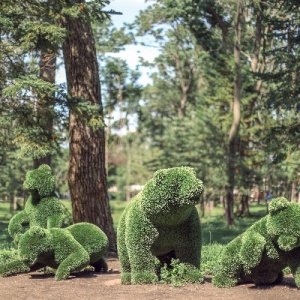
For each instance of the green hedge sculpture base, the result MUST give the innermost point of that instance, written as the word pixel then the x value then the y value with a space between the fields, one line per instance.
pixel 160 220
pixel 66 250
pixel 260 254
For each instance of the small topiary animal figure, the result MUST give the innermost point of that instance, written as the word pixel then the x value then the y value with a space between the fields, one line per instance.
pixel 260 254
pixel 42 207
pixel 160 223
pixel 65 249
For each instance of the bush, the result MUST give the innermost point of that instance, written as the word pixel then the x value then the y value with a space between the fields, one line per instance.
pixel 8 255
pixel 210 258
pixel 178 274
pixel 161 222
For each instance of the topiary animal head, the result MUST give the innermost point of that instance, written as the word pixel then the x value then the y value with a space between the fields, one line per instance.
pixel 40 181
pixel 34 242
pixel 283 223
pixel 171 190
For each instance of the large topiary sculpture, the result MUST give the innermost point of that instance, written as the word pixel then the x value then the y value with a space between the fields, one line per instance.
pixel 42 207
pixel 64 249
pixel 260 254
pixel 160 223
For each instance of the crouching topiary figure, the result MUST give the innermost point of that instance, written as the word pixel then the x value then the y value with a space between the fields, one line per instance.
pixel 161 223
pixel 64 249
pixel 42 207
pixel 260 254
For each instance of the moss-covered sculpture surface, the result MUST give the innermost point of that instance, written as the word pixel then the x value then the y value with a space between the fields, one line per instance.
pixel 65 249
pixel 159 223
pixel 42 207
pixel 260 254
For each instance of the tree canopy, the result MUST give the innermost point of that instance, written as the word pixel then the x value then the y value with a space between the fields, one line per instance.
pixel 223 96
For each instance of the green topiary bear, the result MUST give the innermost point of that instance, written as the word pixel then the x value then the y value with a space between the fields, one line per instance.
pixel 42 207
pixel 65 249
pixel 161 223
pixel 260 254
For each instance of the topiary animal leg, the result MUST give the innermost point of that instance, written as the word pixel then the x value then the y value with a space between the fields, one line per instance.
pixel 14 267
pixel 74 262
pixel 230 266
pixel 15 226
pixel 267 277
pixel 253 246
pixel 188 244
pixel 122 251
pixel 139 240
pixel 297 277
pixel 100 265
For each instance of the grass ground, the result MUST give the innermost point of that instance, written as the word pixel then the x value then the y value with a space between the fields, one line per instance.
pixel 215 230
pixel 5 216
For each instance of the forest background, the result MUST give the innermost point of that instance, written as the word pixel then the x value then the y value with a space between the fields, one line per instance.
pixel 222 97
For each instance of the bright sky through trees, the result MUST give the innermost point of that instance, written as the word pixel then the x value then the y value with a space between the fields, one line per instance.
pixel 130 9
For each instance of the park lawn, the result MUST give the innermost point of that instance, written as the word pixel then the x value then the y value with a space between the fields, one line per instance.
pixel 214 229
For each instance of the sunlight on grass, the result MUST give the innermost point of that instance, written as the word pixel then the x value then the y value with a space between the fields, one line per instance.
pixel 215 230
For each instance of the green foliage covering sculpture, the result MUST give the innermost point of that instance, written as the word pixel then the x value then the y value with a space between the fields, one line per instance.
pixel 261 253
pixel 161 223
pixel 66 250
pixel 42 207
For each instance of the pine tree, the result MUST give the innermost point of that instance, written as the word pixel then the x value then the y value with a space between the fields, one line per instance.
pixel 87 174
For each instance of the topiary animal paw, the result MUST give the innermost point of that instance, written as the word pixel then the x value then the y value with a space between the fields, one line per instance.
pixel 144 278
pixel 223 281
pixel 126 278
pixel 193 275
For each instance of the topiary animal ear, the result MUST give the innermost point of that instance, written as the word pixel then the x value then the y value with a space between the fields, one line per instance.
pixel 45 169
pixel 159 176
pixel 278 204
pixel 37 231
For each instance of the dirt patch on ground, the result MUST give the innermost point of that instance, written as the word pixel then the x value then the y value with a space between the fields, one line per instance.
pixel 92 286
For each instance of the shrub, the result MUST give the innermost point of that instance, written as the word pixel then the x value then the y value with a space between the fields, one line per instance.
pixel 178 274
pixel 265 250
pixel 42 207
pixel 160 223
pixel 210 258
pixel 64 249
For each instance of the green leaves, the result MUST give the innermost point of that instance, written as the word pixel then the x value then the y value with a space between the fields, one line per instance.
pixel 278 205
pixel 179 274
pixel 27 87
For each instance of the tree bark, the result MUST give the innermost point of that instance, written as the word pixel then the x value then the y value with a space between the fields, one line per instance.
pixel 86 174
pixel 45 106
pixel 233 133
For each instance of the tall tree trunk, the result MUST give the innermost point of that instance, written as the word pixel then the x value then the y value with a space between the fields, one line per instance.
pixel 233 133
pixel 87 174
pixel 45 105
